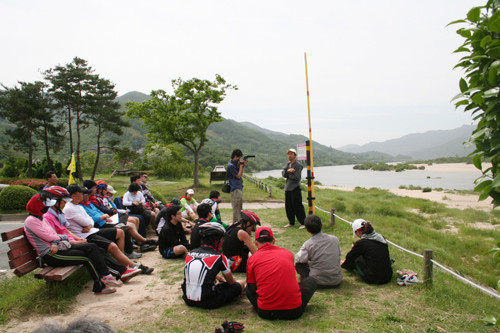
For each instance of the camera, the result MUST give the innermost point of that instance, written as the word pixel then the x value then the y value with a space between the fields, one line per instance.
pixel 246 157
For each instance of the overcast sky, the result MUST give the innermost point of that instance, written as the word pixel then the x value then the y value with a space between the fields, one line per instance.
pixel 377 69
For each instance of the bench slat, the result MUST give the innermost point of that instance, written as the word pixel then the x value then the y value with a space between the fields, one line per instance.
pixel 60 273
pixel 14 254
pixel 23 270
pixel 12 234
pixel 23 260
pixel 18 243
pixel 41 273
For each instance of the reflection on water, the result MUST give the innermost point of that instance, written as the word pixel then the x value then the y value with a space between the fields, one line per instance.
pixel 345 176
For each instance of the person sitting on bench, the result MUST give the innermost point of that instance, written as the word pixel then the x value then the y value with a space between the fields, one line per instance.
pixel 55 250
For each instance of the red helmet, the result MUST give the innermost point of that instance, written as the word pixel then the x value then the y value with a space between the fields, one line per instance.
pixel 101 184
pixel 250 216
pixel 35 206
pixel 54 192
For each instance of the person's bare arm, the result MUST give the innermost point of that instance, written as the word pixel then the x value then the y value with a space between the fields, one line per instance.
pixel 229 278
pixel 245 238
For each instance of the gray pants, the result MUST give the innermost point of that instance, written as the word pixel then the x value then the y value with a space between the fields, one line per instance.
pixel 237 203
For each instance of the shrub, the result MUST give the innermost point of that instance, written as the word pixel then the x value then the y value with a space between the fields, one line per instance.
pixel 63 182
pixel 358 208
pixel 403 187
pixel 439 189
pixel 15 197
pixel 158 196
pixel 427 189
pixel 339 206
pixel 35 184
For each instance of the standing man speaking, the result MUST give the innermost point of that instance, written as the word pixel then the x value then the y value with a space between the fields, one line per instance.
pixel 235 169
pixel 293 195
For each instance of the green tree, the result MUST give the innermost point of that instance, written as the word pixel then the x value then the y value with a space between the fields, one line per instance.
pixel 183 117
pixel 104 112
pixel 125 155
pixel 24 106
pixel 71 88
pixel 479 88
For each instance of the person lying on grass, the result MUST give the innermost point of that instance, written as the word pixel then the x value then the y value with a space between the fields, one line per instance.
pixel 55 250
pixel 82 225
pixel 369 255
pixel 172 241
pixel 319 257
pixel 202 286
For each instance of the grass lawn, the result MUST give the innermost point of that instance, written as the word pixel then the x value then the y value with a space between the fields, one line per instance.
pixel 416 224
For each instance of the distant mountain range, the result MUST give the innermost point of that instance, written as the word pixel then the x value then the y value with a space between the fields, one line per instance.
pixel 428 145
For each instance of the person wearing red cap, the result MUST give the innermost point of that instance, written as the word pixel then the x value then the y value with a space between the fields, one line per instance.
pixel 293 195
pixel 272 287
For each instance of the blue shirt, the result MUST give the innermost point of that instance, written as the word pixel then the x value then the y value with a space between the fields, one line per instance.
pixel 233 168
pixel 95 214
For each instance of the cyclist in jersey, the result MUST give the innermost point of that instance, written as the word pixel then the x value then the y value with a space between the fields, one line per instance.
pixel 202 286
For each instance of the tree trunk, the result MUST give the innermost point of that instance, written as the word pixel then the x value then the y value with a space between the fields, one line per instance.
pixel 70 129
pixel 46 139
pixel 30 157
pixel 99 133
pixel 196 157
pixel 78 162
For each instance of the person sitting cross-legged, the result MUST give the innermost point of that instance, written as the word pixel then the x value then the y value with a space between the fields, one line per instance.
pixel 202 286
pixel 172 241
pixel 204 216
pixel 319 256
pixel 272 287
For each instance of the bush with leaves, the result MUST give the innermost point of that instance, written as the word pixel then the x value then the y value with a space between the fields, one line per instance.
pixel 15 197
pixel 480 87
pixel 158 196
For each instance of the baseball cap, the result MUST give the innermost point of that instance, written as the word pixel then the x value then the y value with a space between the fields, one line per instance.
pixel 190 191
pixel 111 189
pixel 356 225
pixel 175 201
pixel 73 188
pixel 263 232
pixel 292 150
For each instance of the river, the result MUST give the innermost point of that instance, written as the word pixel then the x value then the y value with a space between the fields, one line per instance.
pixel 458 176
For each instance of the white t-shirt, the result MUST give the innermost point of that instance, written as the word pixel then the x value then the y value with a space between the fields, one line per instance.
pixel 78 219
pixel 128 198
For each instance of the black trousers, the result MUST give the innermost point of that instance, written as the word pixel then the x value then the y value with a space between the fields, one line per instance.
pixel 87 254
pixel 294 206
pixel 307 289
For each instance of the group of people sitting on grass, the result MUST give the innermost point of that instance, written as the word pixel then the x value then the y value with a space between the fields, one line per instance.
pixel 84 225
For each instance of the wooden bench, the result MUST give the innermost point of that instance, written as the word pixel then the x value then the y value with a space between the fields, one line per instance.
pixel 219 173
pixel 24 259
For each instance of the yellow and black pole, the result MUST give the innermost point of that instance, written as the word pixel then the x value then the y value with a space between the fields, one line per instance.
pixel 309 151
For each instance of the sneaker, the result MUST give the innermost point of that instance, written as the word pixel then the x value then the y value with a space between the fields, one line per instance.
pixel 129 274
pixel 146 270
pixel 151 242
pixel 302 227
pixel 107 290
pixel 135 246
pixel 109 280
pixel 133 255
pixel 288 225
pixel 146 247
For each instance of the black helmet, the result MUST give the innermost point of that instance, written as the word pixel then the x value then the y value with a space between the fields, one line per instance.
pixel 212 228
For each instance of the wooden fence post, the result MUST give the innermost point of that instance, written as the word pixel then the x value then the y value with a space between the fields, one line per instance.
pixel 428 267
pixel 270 190
pixel 332 217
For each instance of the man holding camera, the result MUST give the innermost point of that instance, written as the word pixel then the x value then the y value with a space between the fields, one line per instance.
pixel 235 169
pixel 293 195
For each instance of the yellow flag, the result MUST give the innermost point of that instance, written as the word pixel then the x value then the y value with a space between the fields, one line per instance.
pixel 72 169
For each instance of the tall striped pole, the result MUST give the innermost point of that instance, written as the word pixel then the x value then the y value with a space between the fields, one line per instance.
pixel 310 165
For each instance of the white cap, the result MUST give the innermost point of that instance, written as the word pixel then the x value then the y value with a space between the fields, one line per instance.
pixel 190 191
pixel 292 150
pixel 111 189
pixel 356 225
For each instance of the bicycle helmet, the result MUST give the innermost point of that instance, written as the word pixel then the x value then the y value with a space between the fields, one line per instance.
pixel 250 216
pixel 212 228
pixel 101 184
pixel 36 206
pixel 51 194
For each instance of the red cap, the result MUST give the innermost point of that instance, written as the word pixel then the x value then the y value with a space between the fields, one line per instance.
pixel 35 206
pixel 263 232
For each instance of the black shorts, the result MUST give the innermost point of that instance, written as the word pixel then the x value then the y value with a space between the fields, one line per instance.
pixel 224 293
pixel 169 253
pixel 103 238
